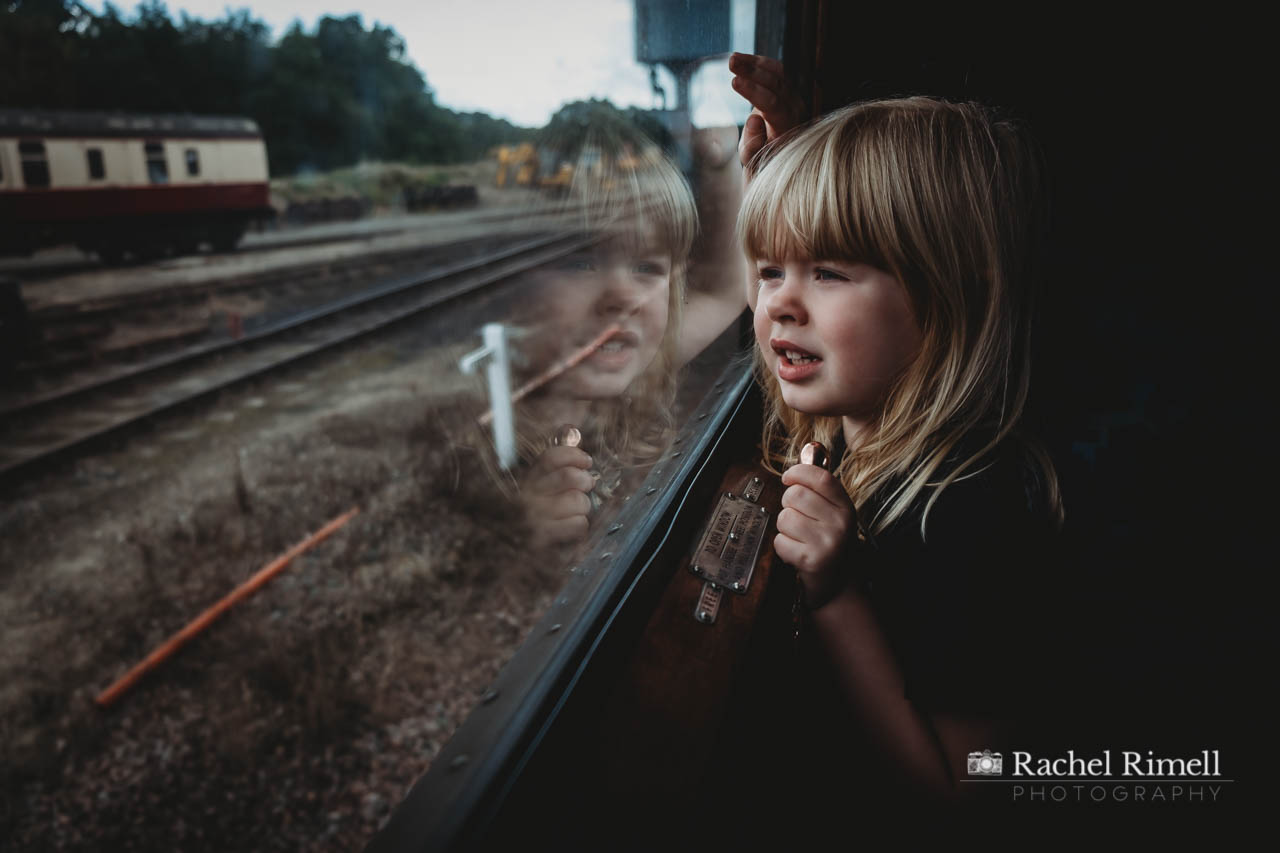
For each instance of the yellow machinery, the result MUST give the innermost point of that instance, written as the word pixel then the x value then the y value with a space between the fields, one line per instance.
pixel 517 165
pixel 522 166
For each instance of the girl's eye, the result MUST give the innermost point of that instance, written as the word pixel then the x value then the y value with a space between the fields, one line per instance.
pixel 830 275
pixel 578 264
pixel 768 273
pixel 650 268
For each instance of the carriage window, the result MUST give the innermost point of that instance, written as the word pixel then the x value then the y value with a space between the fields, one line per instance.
pixel 157 166
pixel 35 165
pixel 96 169
pixel 613 339
pixel 429 221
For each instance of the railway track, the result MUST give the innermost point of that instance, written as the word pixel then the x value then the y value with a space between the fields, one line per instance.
pixel 37 269
pixel 42 428
pixel 96 334
pixel 75 336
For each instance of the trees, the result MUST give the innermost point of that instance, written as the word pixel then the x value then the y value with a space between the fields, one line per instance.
pixel 326 98
pixel 598 123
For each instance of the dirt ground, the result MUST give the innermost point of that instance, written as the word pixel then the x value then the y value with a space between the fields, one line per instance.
pixel 303 716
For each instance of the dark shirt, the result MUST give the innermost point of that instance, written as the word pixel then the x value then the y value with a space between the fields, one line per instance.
pixel 967 615
pixel 970 607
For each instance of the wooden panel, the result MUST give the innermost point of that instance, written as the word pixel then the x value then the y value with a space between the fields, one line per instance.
pixel 659 727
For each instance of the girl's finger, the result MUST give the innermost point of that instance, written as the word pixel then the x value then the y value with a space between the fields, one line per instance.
pixel 745 63
pixel 809 503
pixel 767 100
pixel 760 80
pixel 821 482
pixel 803 529
pixel 558 507
pixel 569 504
pixel 560 457
pixel 798 554
pixel 758 72
pixel 789 550
pixel 562 480
pixel 754 136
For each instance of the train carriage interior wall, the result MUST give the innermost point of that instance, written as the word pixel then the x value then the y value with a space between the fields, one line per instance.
pixel 381 453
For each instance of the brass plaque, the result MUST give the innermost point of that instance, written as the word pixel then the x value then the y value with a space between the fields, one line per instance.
pixel 726 555
pixel 708 603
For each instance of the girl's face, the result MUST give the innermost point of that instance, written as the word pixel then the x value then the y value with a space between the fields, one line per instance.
pixel 835 334
pixel 582 295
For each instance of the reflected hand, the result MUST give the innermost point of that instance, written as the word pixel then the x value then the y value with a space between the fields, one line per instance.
pixel 776 108
pixel 554 493
pixel 814 527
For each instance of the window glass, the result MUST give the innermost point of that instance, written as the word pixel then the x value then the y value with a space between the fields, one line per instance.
pixel 35 165
pixel 548 233
pixel 157 166
pixel 96 169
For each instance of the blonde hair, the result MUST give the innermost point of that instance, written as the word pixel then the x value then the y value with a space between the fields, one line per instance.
pixel 945 197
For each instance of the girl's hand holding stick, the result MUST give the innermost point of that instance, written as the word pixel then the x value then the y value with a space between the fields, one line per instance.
pixel 814 526
pixel 556 491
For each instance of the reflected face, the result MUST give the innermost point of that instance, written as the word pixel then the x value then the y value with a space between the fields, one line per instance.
pixel 836 335
pixel 580 297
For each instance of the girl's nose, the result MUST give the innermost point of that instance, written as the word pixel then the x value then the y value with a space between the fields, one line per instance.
pixel 619 294
pixel 785 301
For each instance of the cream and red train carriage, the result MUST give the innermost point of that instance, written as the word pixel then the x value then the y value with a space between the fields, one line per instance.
pixel 119 184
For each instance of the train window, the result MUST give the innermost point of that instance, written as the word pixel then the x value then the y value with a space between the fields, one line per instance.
pixel 622 343
pixel 96 169
pixel 157 166
pixel 488 368
pixel 35 164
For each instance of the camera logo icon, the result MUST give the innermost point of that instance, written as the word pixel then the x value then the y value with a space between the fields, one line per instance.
pixel 986 763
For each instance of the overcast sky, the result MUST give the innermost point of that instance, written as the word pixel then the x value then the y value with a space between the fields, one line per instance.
pixel 515 59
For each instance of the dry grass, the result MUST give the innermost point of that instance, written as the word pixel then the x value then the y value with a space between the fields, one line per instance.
pixel 302 716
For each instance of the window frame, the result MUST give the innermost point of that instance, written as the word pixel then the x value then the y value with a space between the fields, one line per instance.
pixel 96 163
pixel 30 165
pixel 156 161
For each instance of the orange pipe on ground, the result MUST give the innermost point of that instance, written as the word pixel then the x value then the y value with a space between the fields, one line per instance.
pixel 203 621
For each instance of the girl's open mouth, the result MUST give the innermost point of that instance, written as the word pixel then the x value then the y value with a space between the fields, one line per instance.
pixel 799 356
pixel 794 363
pixel 616 352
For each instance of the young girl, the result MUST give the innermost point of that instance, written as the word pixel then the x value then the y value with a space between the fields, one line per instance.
pixel 621 311
pixel 894 244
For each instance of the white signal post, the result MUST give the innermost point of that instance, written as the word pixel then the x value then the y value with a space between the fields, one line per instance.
pixel 497 358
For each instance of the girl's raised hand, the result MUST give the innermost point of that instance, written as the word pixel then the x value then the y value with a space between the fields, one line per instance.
pixel 776 108
pixel 555 499
pixel 814 526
